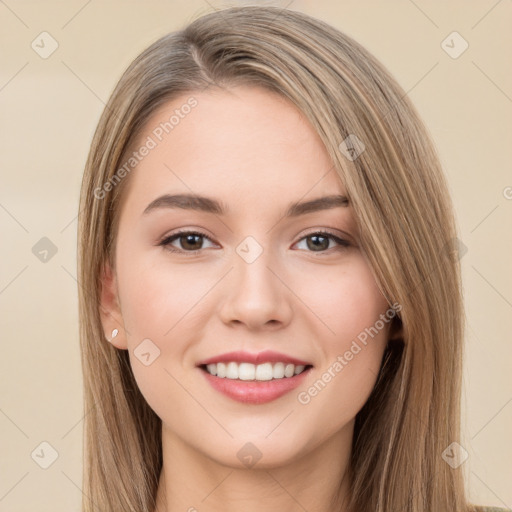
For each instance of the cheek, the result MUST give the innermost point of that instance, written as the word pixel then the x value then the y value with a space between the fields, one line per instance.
pixel 161 309
pixel 350 304
pixel 158 299
pixel 346 299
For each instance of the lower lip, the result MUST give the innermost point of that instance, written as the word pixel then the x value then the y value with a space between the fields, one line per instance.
pixel 254 391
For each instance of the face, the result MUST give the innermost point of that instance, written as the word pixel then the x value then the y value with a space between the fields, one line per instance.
pixel 244 279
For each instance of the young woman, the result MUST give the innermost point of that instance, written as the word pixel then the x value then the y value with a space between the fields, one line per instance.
pixel 270 305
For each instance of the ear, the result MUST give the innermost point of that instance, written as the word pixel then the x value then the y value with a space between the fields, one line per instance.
pixel 110 311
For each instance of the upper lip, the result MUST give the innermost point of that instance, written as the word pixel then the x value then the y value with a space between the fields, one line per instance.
pixel 267 356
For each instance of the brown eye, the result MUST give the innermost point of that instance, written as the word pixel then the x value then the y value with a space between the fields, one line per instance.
pixel 188 241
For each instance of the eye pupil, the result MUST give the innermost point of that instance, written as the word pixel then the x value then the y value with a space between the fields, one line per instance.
pixel 318 242
pixel 190 239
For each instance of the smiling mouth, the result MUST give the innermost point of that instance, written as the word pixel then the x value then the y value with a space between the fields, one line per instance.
pixel 252 372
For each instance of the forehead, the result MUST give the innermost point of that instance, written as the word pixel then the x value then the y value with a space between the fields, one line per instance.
pixel 245 145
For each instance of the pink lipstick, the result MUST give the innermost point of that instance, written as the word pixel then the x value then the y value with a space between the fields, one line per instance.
pixel 254 378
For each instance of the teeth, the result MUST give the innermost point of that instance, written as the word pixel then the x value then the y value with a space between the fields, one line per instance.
pixel 299 369
pixel 278 371
pixel 289 370
pixel 248 371
pixel 264 372
pixel 232 371
pixel 221 370
pixel 245 371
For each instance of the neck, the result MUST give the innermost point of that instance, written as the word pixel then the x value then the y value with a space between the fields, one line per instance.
pixel 317 481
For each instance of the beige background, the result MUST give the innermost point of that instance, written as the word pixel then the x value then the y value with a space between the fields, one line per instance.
pixel 50 108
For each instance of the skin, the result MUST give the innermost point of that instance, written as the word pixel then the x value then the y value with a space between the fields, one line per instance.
pixel 253 151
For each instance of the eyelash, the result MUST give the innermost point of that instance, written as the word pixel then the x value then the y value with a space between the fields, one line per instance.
pixel 167 241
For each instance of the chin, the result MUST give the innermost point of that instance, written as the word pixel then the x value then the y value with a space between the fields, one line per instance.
pixel 255 451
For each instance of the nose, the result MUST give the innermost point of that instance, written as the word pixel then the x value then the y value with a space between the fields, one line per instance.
pixel 256 295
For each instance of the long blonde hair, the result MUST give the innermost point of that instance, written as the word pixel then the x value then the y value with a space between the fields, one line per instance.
pixel 408 234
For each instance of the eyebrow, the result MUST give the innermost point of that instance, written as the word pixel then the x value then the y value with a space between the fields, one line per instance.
pixel 209 205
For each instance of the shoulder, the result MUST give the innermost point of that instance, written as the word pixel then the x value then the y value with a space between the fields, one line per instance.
pixel 491 509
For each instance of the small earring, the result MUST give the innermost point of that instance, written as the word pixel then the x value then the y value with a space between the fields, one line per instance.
pixel 115 332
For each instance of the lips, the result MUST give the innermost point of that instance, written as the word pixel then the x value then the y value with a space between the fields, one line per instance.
pixel 254 378
pixel 268 356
